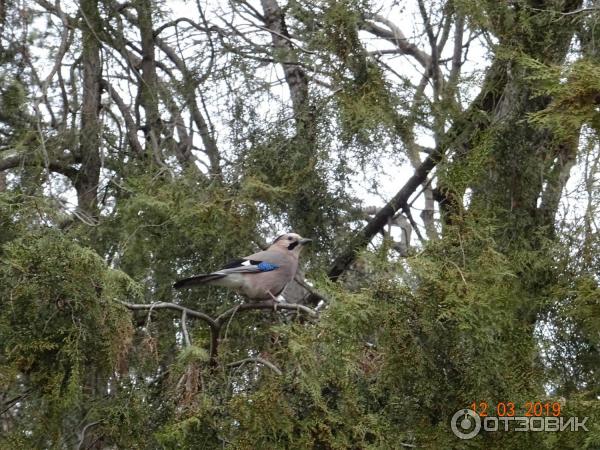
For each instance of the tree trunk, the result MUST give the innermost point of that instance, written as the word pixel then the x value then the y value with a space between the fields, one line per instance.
pixel 148 89
pixel 87 179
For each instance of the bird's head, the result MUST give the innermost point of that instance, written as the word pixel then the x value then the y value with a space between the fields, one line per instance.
pixel 290 242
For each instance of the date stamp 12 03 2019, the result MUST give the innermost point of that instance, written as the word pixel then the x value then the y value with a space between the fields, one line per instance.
pixel 509 416
pixel 510 409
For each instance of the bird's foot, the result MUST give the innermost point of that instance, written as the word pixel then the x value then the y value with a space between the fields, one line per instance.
pixel 275 301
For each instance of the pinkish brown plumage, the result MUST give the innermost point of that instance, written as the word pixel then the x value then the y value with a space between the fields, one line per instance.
pixel 260 276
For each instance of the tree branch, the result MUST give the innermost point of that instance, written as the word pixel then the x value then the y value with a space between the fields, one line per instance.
pixel 130 125
pixel 184 330
pixel 13 401
pixel 396 37
pixel 364 236
pixel 256 360
pixel 268 304
pixel 81 434
pixel 215 324
pixel 311 290
pixel 175 307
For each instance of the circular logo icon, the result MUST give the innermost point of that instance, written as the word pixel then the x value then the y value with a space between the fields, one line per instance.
pixel 465 424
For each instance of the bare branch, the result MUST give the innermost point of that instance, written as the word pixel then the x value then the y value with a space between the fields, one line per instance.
pixel 268 304
pixel 166 305
pixel 457 53
pixel 295 76
pixel 7 405
pixel 256 360
pixel 65 42
pixel 589 9
pixel 16 158
pixel 396 37
pixel 286 38
pixel 81 434
pixel 216 324
pixel 175 22
pixel 130 125
pixel 188 91
pixel 184 330
pixel 364 236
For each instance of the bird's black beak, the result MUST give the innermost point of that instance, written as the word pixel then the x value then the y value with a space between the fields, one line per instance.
pixel 304 241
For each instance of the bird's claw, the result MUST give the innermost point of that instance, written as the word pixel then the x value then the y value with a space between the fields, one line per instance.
pixel 275 301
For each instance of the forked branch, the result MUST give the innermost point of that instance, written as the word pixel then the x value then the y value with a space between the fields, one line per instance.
pixel 216 324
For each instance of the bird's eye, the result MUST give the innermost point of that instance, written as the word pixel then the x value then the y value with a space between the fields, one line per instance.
pixel 290 238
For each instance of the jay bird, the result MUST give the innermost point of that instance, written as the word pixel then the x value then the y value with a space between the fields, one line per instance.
pixel 260 276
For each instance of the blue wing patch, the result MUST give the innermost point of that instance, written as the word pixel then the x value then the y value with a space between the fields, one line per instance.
pixel 266 266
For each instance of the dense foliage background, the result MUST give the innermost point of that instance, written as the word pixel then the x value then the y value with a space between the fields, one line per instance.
pixel 443 154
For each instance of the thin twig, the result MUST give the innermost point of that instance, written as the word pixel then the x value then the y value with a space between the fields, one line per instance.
pixel 184 330
pixel 13 401
pixel 82 433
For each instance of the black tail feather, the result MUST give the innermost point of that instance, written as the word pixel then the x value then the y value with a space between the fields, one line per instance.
pixel 197 280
